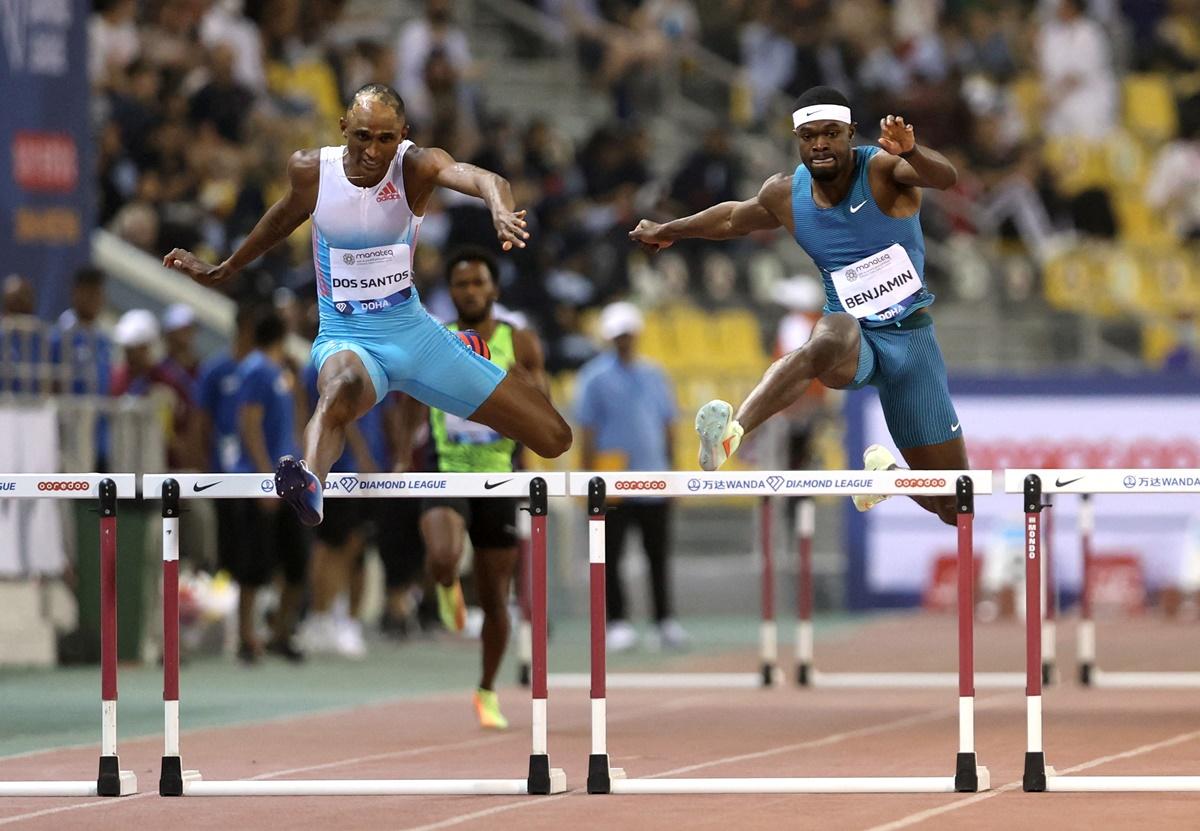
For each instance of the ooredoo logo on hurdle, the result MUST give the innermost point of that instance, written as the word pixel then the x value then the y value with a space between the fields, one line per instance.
pixel 920 483
pixel 640 485
pixel 63 486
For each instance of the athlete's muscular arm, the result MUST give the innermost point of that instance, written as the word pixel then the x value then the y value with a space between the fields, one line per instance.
pixel 432 167
pixel 285 216
pixel 728 220
pixel 920 167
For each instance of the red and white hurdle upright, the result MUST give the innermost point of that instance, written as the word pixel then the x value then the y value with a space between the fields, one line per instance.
pixel 1033 485
pixel 175 781
pixel 107 489
pixel 969 776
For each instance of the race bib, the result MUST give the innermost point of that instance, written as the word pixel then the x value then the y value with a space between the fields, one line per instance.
pixel 369 279
pixel 462 431
pixel 884 279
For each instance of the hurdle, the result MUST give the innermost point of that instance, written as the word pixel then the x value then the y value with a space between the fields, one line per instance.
pixel 107 489
pixel 808 675
pixel 968 776
pixel 1033 484
pixel 767 674
pixel 1091 675
pixel 175 781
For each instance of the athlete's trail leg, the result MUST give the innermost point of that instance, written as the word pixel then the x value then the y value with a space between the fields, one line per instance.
pixel 521 411
pixel 831 355
pixel 949 455
pixel 346 392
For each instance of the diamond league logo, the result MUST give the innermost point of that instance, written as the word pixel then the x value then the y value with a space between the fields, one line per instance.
pixel 1129 481
pixel 267 485
pixel 347 483
pixel 775 482
pixel 348 259
pixel 693 484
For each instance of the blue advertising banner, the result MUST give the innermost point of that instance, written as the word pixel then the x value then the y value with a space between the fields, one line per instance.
pixel 46 177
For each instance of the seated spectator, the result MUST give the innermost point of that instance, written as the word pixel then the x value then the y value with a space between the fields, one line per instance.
pixel 1173 188
pixel 1079 87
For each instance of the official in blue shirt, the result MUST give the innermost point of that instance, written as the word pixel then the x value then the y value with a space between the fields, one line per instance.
pixel 626 409
pixel 82 352
pixel 266 419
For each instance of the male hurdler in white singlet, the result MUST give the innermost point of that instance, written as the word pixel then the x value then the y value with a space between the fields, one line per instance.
pixel 366 200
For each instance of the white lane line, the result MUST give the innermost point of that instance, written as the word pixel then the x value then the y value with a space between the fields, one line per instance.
pixel 921 816
pixel 112 800
pixel 835 738
pixel 676 704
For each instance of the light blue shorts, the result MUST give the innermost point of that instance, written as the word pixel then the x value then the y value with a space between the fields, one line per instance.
pixel 406 350
pixel 906 366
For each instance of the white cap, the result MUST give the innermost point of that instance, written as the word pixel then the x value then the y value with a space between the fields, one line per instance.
pixel 621 318
pixel 137 327
pixel 178 316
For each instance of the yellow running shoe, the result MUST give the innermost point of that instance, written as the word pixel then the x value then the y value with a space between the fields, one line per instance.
pixel 452 608
pixel 719 432
pixel 487 707
pixel 875 457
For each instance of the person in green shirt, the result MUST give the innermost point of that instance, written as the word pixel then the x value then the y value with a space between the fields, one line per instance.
pixel 458 446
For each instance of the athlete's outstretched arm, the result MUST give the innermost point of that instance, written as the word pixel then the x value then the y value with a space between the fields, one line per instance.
pixel 436 167
pixel 727 220
pixel 915 166
pixel 276 225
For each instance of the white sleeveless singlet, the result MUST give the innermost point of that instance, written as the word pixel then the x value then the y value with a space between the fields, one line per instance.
pixel 363 239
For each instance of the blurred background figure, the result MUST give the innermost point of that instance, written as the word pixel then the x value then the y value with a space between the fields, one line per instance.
pixel 626 408
pixel 179 339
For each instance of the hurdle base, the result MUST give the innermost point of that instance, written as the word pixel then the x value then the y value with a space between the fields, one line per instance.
pixel 1085 674
pixel 966 774
pixel 812 785
pixel 364 787
pixel 524 677
pixel 543 779
pixel 173 777
pixel 1048 673
pixel 1034 779
pixel 112 781
pixel 600 775
pixel 768 674
pixel 803 675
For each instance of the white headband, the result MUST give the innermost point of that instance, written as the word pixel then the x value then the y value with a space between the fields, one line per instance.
pixel 821 112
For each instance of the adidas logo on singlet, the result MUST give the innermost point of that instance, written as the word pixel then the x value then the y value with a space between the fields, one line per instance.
pixel 389 192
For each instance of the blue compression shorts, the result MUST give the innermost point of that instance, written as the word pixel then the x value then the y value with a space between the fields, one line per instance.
pixel 406 350
pixel 906 366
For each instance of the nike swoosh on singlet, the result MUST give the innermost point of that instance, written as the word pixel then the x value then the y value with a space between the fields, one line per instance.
pixel 487 486
pixel 854 208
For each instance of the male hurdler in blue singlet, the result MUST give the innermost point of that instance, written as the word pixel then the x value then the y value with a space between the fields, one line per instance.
pixel 855 211
pixel 366 200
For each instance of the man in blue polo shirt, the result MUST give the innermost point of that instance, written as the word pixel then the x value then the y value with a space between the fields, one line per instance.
pixel 266 419
pixel 626 407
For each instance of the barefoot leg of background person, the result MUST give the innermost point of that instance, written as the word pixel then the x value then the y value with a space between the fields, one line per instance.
pixel 948 455
pixel 494 569
pixel 443 531
pixel 346 393
pixel 830 355
pixel 522 412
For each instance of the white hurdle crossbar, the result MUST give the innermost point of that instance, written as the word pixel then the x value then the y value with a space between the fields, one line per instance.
pixel 537 487
pixel 106 489
pixel 969 775
pixel 1033 484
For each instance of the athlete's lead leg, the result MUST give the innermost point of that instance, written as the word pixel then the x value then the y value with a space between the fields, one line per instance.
pixel 830 355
